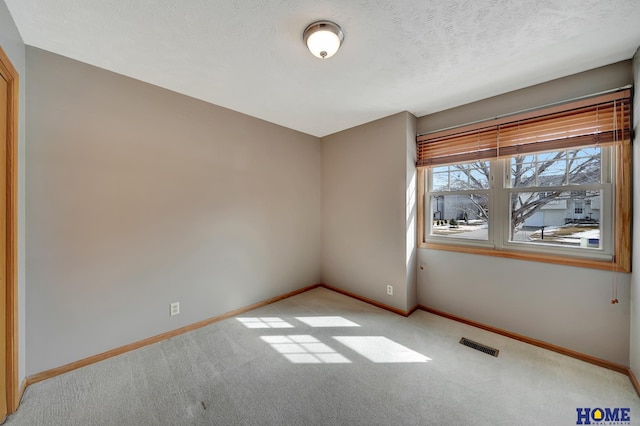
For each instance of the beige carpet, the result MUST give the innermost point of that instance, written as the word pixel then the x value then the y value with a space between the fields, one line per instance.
pixel 321 358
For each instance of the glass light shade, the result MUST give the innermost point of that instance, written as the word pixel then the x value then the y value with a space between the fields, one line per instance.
pixel 323 39
pixel 323 44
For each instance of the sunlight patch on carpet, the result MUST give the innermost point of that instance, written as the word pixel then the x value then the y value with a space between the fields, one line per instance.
pixel 327 322
pixel 380 349
pixel 264 322
pixel 305 349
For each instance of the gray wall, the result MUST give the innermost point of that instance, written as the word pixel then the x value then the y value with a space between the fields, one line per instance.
pixel 13 46
pixel 635 266
pixel 365 182
pixel 562 305
pixel 585 83
pixel 138 197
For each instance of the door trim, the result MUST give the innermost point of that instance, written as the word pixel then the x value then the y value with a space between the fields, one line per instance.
pixel 8 70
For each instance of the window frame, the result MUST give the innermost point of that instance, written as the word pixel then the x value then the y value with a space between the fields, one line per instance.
pixel 455 240
pixel 616 253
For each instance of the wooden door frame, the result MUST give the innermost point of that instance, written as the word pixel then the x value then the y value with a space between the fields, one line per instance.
pixel 13 394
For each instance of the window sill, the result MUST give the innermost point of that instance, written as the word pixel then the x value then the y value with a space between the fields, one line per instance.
pixel 534 257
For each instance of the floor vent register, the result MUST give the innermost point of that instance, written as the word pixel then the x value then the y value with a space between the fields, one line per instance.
pixel 479 347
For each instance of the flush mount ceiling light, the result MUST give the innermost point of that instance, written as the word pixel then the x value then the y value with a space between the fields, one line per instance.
pixel 323 38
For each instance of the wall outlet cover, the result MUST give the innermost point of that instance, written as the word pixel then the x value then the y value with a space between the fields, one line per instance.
pixel 174 308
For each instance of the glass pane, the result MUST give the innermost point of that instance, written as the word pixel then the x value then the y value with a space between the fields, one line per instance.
pixel 585 166
pixel 548 156
pixel 440 181
pixel 460 216
pixel 479 178
pixel 580 166
pixel 551 172
pixel 461 177
pixel 523 173
pixel 568 219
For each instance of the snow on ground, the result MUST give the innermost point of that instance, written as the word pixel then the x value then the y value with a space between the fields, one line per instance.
pixel 590 233
pixel 478 230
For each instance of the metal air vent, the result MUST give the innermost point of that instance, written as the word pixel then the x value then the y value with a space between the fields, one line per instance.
pixel 479 347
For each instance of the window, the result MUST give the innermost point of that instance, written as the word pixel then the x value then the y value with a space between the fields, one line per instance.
pixel 459 200
pixel 556 218
pixel 551 185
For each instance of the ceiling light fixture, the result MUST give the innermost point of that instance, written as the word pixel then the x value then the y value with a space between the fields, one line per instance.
pixel 323 38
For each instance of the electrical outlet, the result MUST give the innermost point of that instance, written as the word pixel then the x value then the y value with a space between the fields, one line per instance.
pixel 174 308
pixel 390 290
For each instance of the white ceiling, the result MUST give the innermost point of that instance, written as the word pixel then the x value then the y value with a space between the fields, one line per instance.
pixel 421 56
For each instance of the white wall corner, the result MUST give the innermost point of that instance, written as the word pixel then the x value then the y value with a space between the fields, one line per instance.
pixel 412 212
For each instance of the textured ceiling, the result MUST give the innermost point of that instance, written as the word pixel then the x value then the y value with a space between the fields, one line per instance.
pixel 421 56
